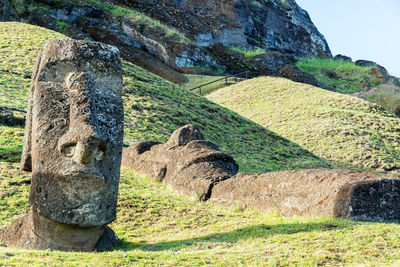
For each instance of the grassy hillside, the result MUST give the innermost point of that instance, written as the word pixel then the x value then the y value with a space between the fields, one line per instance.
pixel 154 108
pixel 336 127
pixel 349 78
pixel 158 227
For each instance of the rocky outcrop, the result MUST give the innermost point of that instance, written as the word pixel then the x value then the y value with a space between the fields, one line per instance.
pixel 194 167
pixel 269 63
pixel 343 58
pixel 7 117
pixel 295 74
pixel 282 28
pixel 271 24
pixel 7 11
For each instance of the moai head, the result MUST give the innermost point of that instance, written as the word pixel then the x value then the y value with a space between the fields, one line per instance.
pixel 187 163
pixel 74 132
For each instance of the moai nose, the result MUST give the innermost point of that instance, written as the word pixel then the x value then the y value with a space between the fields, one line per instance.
pixel 89 148
pixel 84 148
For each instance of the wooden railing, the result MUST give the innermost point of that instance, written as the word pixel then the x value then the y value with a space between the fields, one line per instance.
pixel 237 77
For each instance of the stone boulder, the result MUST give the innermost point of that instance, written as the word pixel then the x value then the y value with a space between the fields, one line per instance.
pixel 269 63
pixel 41 17
pixel 186 163
pixel 377 69
pixel 72 146
pixel 7 117
pixel 295 74
pixel 331 74
pixel 343 58
pixel 233 61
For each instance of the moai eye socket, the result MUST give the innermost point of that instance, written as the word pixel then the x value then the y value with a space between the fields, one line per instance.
pixel 99 155
pixel 68 151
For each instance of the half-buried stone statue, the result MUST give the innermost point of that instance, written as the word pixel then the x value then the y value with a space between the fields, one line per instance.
pixel 73 145
pixel 186 163
pixel 194 167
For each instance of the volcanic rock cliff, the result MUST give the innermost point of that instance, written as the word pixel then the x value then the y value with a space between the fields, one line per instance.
pixel 272 24
pixel 200 34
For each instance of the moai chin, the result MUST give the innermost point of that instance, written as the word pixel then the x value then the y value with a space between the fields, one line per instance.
pixel 73 145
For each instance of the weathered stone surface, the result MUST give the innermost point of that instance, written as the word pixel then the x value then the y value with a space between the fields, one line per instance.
pixel 33 231
pixel 331 74
pixel 73 144
pixel 377 69
pixel 343 58
pixel 295 74
pixel 41 17
pixel 186 163
pixel 195 168
pixel 331 193
pixel 7 11
pixel 75 127
pixel 264 23
pixel 233 61
pixel 269 63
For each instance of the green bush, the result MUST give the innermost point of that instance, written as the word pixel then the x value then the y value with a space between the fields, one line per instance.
pixel 388 97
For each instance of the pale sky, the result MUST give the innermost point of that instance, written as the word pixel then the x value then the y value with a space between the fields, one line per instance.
pixel 361 29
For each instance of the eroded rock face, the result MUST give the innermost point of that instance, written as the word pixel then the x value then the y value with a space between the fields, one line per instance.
pixel 186 163
pixel 73 138
pixel 273 24
pixel 7 11
pixel 195 167
pixel 295 74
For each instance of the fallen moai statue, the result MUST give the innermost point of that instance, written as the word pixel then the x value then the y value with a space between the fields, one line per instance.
pixel 195 168
pixel 73 146
pixel 186 163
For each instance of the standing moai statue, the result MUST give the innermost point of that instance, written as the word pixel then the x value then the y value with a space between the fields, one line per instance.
pixel 73 145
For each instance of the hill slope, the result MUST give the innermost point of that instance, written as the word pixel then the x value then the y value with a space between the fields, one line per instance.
pixel 340 128
pixel 154 108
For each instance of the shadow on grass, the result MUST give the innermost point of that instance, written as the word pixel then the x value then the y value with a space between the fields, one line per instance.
pixel 257 231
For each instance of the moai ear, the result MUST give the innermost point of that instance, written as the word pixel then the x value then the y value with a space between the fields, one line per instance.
pixel 26 158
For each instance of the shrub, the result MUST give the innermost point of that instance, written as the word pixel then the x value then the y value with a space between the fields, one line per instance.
pixel 388 97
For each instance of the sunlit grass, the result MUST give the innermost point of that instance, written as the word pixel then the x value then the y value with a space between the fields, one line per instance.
pixel 352 78
pixel 336 127
pixel 248 52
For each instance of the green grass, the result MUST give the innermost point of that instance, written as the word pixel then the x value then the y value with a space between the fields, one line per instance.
pixel 197 80
pixel 339 128
pixel 17 56
pixel 248 53
pixel 155 108
pixel 388 97
pixel 353 78
pixel 160 228
pixel 11 141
